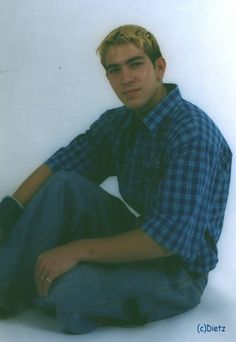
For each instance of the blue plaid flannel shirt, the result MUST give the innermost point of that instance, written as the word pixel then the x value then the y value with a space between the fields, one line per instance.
pixel 173 167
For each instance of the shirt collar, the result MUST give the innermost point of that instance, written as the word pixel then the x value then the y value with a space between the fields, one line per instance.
pixel 162 110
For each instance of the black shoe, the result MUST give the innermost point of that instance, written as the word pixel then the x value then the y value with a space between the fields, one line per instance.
pixel 10 212
pixel 6 308
pixel 1 234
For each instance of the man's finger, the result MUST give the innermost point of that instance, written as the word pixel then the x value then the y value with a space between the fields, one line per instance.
pixel 46 286
pixel 43 283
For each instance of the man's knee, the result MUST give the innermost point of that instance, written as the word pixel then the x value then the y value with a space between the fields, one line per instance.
pixel 70 183
pixel 65 177
pixel 74 297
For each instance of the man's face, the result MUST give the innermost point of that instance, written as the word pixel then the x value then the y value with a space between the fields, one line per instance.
pixel 133 77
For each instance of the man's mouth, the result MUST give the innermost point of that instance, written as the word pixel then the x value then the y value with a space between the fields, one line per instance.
pixel 131 91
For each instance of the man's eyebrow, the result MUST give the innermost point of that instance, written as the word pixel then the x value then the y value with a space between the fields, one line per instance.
pixel 130 60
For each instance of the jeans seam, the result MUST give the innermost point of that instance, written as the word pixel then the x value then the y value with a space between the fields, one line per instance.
pixel 121 300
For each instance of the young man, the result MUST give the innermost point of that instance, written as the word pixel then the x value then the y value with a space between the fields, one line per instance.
pixel 71 248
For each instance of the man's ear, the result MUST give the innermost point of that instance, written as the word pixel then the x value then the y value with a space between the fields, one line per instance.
pixel 160 66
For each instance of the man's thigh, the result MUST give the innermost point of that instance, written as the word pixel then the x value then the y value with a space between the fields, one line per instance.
pixel 86 210
pixel 93 295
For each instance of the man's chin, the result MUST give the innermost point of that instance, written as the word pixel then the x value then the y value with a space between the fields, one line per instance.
pixel 133 105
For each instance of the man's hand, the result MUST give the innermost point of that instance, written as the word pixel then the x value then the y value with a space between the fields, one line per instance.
pixel 53 263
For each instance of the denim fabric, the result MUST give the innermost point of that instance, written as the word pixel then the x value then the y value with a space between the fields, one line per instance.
pixel 90 295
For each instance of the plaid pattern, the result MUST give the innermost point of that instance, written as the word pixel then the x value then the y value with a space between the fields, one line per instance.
pixel 173 168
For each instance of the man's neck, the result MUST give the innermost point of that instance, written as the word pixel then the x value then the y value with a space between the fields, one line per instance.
pixel 159 96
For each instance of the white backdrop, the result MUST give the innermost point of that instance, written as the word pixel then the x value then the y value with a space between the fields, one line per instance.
pixel 52 85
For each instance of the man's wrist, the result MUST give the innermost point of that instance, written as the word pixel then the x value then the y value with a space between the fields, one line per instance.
pixel 19 204
pixel 80 250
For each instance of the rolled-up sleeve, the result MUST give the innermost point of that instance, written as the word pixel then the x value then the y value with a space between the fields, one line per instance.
pixel 182 200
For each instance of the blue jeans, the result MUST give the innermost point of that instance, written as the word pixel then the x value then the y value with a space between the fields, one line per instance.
pixel 90 295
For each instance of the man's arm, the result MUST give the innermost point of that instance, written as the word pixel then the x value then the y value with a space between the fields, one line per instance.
pixel 32 184
pixel 132 246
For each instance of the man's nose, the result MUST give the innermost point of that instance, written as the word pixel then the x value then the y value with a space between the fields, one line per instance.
pixel 127 75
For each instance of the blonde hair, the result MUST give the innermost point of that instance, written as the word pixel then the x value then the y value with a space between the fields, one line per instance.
pixel 134 34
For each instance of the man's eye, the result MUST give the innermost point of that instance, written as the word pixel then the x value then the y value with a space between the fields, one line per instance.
pixel 113 71
pixel 136 64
